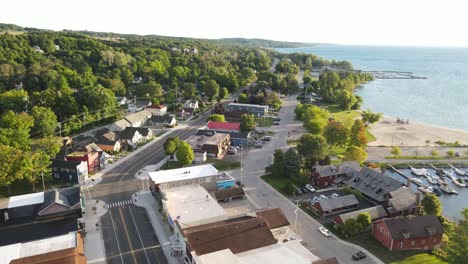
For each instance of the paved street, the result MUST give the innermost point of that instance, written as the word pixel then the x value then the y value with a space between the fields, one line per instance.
pixel 263 195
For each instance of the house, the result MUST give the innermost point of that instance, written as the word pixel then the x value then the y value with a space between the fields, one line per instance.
pixel 119 125
pixel 324 176
pixel 205 175
pixel 138 119
pixel 180 112
pixel 164 121
pixel 223 126
pixel 157 110
pixel 241 138
pixel 88 155
pixel 275 220
pixel 37 49
pixel 403 201
pixel 200 156
pixel 376 212
pixel 108 140
pixel 121 100
pixel 130 136
pixel 69 170
pixel 337 204
pixel 256 110
pixel 146 133
pixel 137 105
pixel 189 111
pixel 192 103
pixel 412 232
pixel 138 80
pixel 374 185
pixel 191 205
pixel 215 144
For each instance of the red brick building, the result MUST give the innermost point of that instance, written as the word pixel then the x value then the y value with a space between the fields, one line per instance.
pixel 416 232
pixel 323 176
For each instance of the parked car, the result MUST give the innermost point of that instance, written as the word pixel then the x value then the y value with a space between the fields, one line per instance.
pixel 261 131
pixel 316 199
pixel 324 231
pixel 310 188
pixel 323 197
pixel 258 145
pixel 232 150
pixel 277 119
pixel 359 255
pixel 266 138
pixel 457 154
pixel 304 190
pixel 334 195
pixel 276 123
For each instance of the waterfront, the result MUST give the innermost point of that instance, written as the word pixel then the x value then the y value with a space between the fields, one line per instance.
pixel 452 204
pixel 441 99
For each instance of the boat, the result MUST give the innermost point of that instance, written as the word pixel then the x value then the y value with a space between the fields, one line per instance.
pixel 459 172
pixel 416 180
pixel 432 181
pixel 437 192
pixel 447 173
pixel 459 182
pixel 425 189
pixel 447 189
pixel 418 172
pixel 441 181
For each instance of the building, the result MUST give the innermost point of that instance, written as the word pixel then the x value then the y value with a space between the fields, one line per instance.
pixel 223 126
pixel 69 170
pixel 121 100
pixel 192 103
pixel 256 110
pixel 86 154
pixel 191 205
pixel 276 221
pixel 42 227
pixel 242 138
pixel 337 204
pixel 226 195
pixel 157 110
pixel 200 156
pixel 403 201
pixel 130 136
pixel 374 185
pixel 138 119
pixel 205 175
pixel 188 111
pixel 324 176
pixel 215 144
pixel 119 125
pixel 137 105
pixel 164 121
pixel 108 140
pixel 415 232
pixel 375 212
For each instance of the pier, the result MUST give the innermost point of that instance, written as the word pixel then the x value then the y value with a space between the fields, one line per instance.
pixel 406 177
pixel 394 75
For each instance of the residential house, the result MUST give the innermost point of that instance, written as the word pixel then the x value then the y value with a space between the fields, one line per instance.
pixel 138 80
pixel 163 121
pixel 375 186
pixel 276 221
pixel 130 136
pixel 215 145
pixel 376 212
pixel 241 138
pixel 224 126
pixel 119 125
pixel 138 119
pixel 205 175
pixel 403 201
pixel 86 154
pixel 337 204
pixel 37 49
pixel 157 110
pixel 121 100
pixel 256 110
pixel 146 133
pixel 69 170
pixel 180 112
pixel 192 103
pixel 108 140
pixel 188 111
pixel 137 105
pixel 324 176
pixel 200 156
pixel 412 232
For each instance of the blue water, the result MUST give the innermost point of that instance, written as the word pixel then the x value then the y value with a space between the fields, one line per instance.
pixel 441 99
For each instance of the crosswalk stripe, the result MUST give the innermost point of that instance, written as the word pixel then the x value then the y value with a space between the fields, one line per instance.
pixel 119 203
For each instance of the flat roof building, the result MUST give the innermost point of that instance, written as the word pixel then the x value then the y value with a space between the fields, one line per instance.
pixel 256 110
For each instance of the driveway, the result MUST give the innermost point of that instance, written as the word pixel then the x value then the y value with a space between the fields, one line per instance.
pixel 262 195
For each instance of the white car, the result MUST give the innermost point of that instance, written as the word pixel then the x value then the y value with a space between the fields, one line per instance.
pixel 324 231
pixel 334 195
pixel 310 188
pixel 324 197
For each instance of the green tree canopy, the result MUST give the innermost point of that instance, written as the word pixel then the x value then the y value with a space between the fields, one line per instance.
pixel 45 121
pixel 364 219
pixel 395 151
pixel 356 153
pixel 336 133
pixel 210 88
pixel 170 146
pixel 277 168
pixel 15 130
pixel 247 122
pixel 455 247
pixel 357 135
pixel 312 147
pixel 223 92
pixel 216 117
pixel 370 118
pixel 431 205
pixel 184 153
pixel 14 100
pixel 292 163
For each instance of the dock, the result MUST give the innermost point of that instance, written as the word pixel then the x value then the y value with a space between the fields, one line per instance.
pixel 406 177
pixel 394 75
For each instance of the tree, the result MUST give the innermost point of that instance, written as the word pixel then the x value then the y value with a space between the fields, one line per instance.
pixel 356 153
pixel 292 163
pixel 170 146
pixel 434 153
pixel 243 98
pixel 455 247
pixel 216 117
pixel 289 188
pixel 50 145
pixel 364 220
pixel 14 100
pixel 277 168
pixel 315 119
pixel 336 133
pixel 184 153
pixel 15 130
pixel 45 121
pixel 10 170
pixel 357 135
pixel 35 166
pixel 346 99
pixel 223 93
pixel 395 151
pixel 431 205
pixel 370 118
pixel 352 226
pixel 247 122
pixel 312 147
pixel 210 88
pixel 450 153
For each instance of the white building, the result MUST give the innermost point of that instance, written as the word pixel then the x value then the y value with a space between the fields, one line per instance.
pixel 157 110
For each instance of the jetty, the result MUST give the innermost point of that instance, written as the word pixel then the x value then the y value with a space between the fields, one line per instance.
pixel 394 75
pixel 439 172
pixel 417 183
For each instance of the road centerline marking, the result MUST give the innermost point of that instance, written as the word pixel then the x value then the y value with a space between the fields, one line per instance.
pixel 116 239
pixel 128 236
pixel 138 233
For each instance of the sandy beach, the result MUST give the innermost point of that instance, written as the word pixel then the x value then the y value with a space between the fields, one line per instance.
pixel 388 132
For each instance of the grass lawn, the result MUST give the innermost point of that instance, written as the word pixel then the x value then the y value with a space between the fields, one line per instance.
pixel 292 142
pixel 24 187
pixel 264 121
pixel 223 165
pixel 420 259
pixel 278 183
pixel 370 137
pixel 422 157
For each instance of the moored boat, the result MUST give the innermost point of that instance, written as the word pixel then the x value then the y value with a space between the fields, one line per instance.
pixel 447 189
pixel 432 181
pixel 416 180
pixel 418 172
pixel 459 182
pixel 459 172
pixel 425 189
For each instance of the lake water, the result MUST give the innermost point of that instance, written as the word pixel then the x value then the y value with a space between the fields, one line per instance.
pixel 441 99
pixel 452 204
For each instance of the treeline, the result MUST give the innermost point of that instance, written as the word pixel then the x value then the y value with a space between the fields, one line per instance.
pixel 307 61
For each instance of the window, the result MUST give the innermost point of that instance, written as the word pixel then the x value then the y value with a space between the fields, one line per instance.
pixel 423 241
pixel 400 245
pixel 412 243
pixel 208 179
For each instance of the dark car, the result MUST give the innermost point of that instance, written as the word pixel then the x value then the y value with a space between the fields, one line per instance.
pixel 359 255
pixel 277 119
pixel 276 123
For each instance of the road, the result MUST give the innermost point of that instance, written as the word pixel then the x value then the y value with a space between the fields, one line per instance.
pixel 262 195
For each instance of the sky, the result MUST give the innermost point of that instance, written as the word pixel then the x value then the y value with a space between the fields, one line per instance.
pixel 359 22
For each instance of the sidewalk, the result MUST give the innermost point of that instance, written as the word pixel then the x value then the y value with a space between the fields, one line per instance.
pixel 93 242
pixel 143 173
pixel 145 199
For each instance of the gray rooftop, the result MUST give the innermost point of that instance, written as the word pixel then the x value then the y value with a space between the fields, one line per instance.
pixel 375 212
pixel 343 168
pixel 403 198
pixel 374 184
pixel 338 202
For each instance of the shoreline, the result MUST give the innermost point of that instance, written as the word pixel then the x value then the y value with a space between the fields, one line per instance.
pixel 390 133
